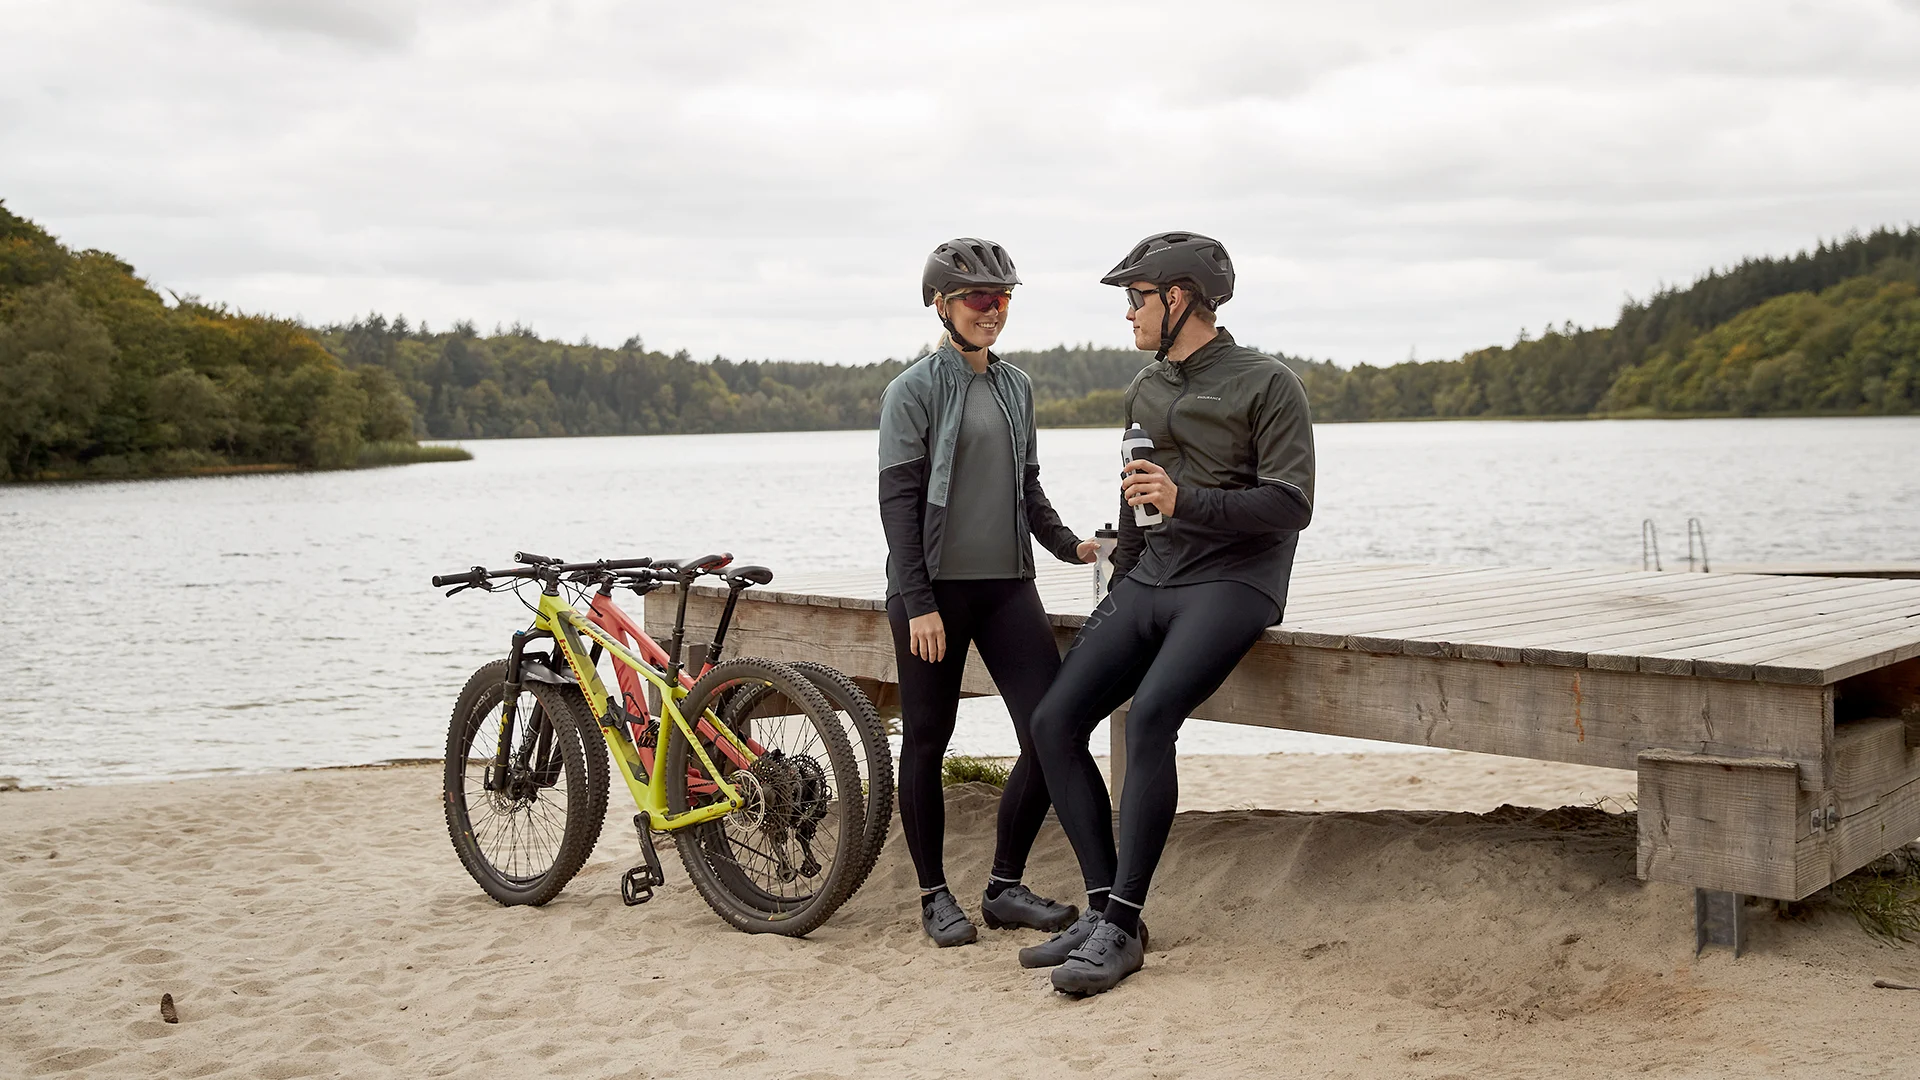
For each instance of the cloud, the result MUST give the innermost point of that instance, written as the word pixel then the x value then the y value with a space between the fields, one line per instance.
pixel 381 23
pixel 765 180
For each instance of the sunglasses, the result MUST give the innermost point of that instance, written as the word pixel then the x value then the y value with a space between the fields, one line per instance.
pixel 984 301
pixel 1137 298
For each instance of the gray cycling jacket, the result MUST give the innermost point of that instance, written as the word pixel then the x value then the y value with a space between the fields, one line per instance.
pixel 919 427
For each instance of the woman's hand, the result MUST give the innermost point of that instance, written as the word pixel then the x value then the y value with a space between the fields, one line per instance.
pixel 927 637
pixel 1141 481
pixel 1089 550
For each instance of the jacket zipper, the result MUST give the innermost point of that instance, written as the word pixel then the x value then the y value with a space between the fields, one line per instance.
pixel 1019 471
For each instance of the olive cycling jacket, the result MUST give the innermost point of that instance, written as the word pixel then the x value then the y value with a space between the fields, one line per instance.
pixel 919 427
pixel 1231 427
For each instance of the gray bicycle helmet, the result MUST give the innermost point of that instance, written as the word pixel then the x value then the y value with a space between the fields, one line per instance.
pixel 963 263
pixel 1166 258
pixel 1172 258
pixel 968 261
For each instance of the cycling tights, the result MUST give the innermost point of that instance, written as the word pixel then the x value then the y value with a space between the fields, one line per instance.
pixel 1001 617
pixel 1168 648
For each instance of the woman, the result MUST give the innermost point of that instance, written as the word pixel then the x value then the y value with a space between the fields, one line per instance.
pixel 959 495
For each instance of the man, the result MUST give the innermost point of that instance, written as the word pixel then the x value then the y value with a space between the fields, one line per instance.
pixel 1231 473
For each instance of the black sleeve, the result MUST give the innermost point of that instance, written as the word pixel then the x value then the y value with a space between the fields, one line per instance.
pixel 1282 452
pixel 903 493
pixel 903 500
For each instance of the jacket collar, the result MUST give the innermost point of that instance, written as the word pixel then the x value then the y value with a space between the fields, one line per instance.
pixel 1204 357
pixel 948 356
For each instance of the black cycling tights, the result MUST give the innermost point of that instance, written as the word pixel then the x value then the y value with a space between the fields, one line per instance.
pixel 1003 618
pixel 1168 649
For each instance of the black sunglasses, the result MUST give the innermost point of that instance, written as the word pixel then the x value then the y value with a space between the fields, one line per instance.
pixel 1137 298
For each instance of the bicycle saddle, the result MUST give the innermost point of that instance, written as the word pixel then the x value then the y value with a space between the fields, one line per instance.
pixel 694 566
pixel 744 576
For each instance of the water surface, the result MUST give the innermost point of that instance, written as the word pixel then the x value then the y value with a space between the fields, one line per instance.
pixel 196 626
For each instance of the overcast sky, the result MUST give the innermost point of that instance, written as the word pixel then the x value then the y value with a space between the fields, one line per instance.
pixel 765 180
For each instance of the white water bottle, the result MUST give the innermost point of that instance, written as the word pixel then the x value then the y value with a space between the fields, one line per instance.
pixel 1135 446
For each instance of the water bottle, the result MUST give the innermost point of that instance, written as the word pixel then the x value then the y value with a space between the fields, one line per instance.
pixel 1135 446
pixel 1108 538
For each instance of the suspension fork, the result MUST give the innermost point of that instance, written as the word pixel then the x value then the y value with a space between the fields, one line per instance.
pixel 496 777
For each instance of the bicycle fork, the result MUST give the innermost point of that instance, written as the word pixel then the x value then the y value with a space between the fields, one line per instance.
pixel 496 775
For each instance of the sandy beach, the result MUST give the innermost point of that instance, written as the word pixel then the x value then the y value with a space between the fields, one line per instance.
pixel 1378 916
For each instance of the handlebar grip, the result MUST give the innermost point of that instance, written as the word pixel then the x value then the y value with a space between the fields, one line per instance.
pixel 469 576
pixel 531 559
pixel 629 564
pixel 441 581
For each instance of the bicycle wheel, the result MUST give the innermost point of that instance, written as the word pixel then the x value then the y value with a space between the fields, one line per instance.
pixel 783 862
pixel 866 734
pixel 523 831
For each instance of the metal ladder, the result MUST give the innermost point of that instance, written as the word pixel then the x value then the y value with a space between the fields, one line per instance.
pixel 1696 546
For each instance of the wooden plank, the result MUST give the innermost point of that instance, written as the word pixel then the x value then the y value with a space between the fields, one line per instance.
pixel 1643 618
pixel 1871 759
pixel 1890 570
pixel 1675 653
pixel 1722 823
pixel 1863 836
pixel 1554 714
pixel 1547 618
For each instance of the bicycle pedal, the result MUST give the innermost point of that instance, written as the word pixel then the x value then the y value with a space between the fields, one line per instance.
pixel 636 886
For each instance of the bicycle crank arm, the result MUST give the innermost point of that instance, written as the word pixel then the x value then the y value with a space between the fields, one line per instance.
pixel 638 883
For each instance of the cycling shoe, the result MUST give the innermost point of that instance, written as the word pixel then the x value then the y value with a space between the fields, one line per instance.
pixel 1109 955
pixel 945 923
pixel 1021 906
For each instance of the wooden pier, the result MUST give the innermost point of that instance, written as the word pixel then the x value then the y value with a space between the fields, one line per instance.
pixel 1774 720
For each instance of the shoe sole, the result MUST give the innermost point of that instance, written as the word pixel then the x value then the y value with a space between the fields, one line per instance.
pixel 1089 991
pixel 968 940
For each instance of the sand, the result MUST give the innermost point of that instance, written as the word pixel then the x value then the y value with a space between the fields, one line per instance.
pixel 318 924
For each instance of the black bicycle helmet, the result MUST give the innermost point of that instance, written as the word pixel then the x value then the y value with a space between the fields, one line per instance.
pixel 1171 258
pixel 963 263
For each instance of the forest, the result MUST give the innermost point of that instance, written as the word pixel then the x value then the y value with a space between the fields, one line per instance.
pixel 1835 330
pixel 104 377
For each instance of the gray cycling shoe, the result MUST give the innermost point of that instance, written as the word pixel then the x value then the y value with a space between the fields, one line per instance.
pixel 945 923
pixel 1109 955
pixel 1018 905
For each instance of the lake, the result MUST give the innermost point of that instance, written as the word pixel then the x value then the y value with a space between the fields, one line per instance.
pixel 191 627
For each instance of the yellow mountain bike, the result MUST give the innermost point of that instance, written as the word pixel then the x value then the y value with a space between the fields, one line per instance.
pixel 748 766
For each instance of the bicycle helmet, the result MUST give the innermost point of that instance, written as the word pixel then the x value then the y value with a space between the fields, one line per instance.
pixel 1172 258
pixel 958 264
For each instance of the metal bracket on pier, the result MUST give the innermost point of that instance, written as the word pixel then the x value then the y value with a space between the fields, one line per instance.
pixel 1719 918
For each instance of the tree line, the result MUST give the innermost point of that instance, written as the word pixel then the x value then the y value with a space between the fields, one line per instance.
pixel 102 378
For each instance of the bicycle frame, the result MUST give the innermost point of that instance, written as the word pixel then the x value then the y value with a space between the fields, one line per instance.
pixel 567 626
pixel 608 616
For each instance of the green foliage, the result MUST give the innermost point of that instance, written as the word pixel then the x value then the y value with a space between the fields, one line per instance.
pixel 965 769
pixel 407 453
pixel 514 384
pixel 104 379
pixel 1884 896
pixel 1824 331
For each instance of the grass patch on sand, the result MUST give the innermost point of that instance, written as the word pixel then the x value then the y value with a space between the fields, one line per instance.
pixel 406 453
pixel 1884 896
pixel 966 769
